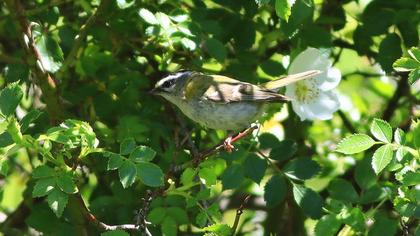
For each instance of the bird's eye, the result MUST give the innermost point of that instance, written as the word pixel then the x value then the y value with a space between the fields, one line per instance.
pixel 168 83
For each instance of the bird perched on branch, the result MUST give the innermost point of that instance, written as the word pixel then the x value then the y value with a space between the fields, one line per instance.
pixel 220 102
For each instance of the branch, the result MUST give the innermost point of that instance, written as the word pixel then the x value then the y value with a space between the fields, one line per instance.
pixel 402 89
pixel 344 44
pixel 239 212
pixel 71 57
pixel 202 155
pixel 346 122
pixel 42 78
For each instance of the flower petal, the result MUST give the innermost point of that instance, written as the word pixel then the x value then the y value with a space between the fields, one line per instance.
pixel 310 59
pixel 324 106
pixel 331 80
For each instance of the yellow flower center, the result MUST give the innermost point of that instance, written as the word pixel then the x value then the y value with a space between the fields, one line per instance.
pixel 306 91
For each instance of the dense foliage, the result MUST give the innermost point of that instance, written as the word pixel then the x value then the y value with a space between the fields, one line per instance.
pixel 85 149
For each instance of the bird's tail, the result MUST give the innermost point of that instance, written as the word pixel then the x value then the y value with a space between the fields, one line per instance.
pixel 289 79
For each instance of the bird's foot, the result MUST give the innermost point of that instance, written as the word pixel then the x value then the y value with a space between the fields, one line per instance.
pixel 228 144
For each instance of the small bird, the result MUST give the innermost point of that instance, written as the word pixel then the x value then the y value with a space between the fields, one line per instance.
pixel 220 102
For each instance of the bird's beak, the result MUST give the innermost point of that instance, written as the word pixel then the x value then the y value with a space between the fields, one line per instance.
pixel 153 91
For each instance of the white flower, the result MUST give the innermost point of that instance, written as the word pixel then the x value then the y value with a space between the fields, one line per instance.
pixel 314 98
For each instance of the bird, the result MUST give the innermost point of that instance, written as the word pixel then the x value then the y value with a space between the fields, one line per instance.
pixel 220 102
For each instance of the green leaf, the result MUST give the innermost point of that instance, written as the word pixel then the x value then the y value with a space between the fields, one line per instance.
pixel 327 225
pixel 381 158
pixel 148 16
pixel 57 201
pixel 5 140
pixel 10 98
pixel 127 172
pixel 188 44
pixel 66 184
pixel 157 215
pixel 178 214
pixel 355 219
pixel 164 20
pixel 43 186
pixel 414 76
pixel 216 49
pixel 364 175
pixel 115 161
pixel 381 130
pixel 28 119
pixel 414 52
pixel 255 167
pixel 118 232
pixel 341 189
pixel 355 143
pixel 150 174
pixel 411 178
pixel 383 226
pixel 169 227
pixel 401 153
pixel 284 150
pixel 301 168
pixel 123 4
pixel 43 171
pixel 283 9
pixel 219 229
pixel 389 51
pixel 50 52
pixel 405 64
pixel 127 146
pixel 207 176
pixel 142 153
pixel 309 201
pixel 14 130
pixel 399 136
pixel 233 176
pixel 187 176
pixel 4 166
pixel 275 190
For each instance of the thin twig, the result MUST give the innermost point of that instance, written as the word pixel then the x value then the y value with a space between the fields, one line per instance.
pixel 346 122
pixel 239 212
pixel 402 89
pixel 71 57
pixel 344 44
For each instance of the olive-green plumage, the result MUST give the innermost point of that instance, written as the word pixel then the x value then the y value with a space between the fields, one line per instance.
pixel 220 102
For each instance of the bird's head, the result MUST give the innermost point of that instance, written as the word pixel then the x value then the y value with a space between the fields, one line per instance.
pixel 172 86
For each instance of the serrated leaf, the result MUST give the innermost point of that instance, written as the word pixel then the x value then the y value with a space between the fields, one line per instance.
pixel 381 158
pixel 341 189
pixel 401 153
pixel 411 178
pixel 156 215
pixel 28 119
pixel 148 16
pixel 188 44
pixel 414 53
pixel 142 153
pixel 43 186
pixel 43 172
pixel 5 140
pixel 127 146
pixel 355 219
pixel 123 4
pixel 57 200
pixel 150 174
pixel 284 150
pixel 50 52
pixel 10 98
pixel 178 214
pixel 255 168
pixel 389 51
pixel 66 183
pixel 201 219
pixel 163 20
pixel 169 226
pixel 414 76
pixel 207 176
pixel 381 130
pixel 219 229
pixel 216 49
pixel 328 225
pixel 283 9
pixel 399 136
pixel 114 161
pixel 301 169
pixel 127 172
pixel 275 190
pixel 364 175
pixel 233 176
pixel 187 176
pixel 308 200
pixel 4 166
pixel 355 143
pixel 405 64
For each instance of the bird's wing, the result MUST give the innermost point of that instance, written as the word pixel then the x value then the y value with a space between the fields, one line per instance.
pixel 226 90
pixel 289 79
